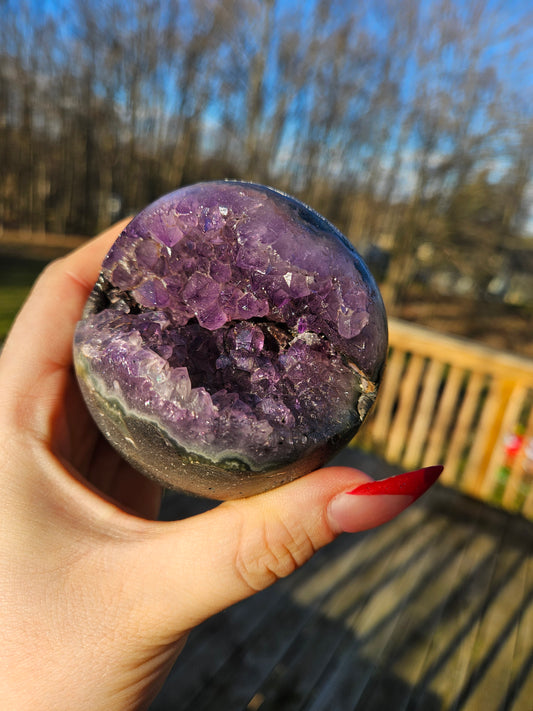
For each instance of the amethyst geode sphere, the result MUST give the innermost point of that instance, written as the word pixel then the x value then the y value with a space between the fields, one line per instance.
pixel 233 342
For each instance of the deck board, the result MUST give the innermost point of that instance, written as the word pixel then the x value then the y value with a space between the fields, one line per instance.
pixel 432 612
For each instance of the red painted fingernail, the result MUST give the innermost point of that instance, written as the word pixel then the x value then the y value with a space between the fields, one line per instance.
pixel 410 484
pixel 376 502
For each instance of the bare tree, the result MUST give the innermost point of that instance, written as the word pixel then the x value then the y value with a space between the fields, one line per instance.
pixel 396 120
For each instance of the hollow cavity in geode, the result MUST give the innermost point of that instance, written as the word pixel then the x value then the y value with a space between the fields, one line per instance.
pixel 234 340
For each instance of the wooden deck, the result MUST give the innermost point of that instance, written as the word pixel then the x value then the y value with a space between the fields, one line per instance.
pixel 432 612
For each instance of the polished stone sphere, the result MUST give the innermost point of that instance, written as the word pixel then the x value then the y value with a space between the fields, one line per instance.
pixel 233 342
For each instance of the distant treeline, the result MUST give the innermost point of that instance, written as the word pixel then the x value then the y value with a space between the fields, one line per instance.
pixel 406 123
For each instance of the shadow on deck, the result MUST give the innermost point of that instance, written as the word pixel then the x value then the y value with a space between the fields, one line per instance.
pixel 432 612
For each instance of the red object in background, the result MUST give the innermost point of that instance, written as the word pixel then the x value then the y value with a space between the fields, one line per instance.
pixel 513 444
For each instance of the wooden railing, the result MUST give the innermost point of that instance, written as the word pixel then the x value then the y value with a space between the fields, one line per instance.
pixel 447 400
pixel 41 239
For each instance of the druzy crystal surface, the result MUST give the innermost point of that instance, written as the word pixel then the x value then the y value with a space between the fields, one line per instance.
pixel 234 340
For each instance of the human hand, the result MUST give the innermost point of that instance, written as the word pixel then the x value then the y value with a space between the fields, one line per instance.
pixel 96 596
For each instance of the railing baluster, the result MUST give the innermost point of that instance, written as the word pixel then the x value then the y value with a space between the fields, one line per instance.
pixel 463 429
pixel 425 413
pixel 406 405
pixel 445 416
pixel 387 397
pixel 526 470
pixel 486 436
pixel 517 466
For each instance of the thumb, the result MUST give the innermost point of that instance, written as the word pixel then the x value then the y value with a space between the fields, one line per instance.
pixel 196 567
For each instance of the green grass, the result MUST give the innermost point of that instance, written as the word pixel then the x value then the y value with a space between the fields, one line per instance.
pixel 11 299
pixel 17 275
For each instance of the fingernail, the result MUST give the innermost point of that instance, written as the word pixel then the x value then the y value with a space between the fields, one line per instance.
pixel 376 502
pixel 410 484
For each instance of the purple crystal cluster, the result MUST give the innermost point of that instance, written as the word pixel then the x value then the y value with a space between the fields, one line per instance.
pixel 233 341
